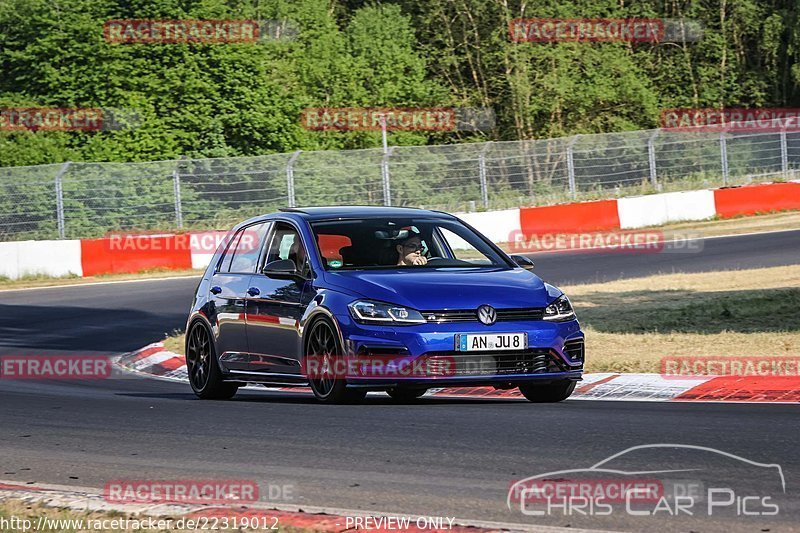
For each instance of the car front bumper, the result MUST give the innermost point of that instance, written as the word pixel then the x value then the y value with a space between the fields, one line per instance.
pixel 554 353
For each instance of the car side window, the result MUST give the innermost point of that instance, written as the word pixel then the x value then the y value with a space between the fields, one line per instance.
pixel 245 248
pixel 225 259
pixel 286 243
pixel 461 249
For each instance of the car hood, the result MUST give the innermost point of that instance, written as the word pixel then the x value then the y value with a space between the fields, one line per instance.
pixel 432 288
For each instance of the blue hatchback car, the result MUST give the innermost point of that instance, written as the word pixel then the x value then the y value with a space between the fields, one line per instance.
pixel 354 299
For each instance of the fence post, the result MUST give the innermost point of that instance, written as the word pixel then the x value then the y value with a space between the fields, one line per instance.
pixel 651 157
pixel 387 191
pixel 290 178
pixel 723 153
pixel 176 185
pixel 784 152
pixel 571 166
pixel 482 173
pixel 60 199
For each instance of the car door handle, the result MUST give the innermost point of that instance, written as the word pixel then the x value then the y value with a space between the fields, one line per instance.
pixel 253 291
pixel 216 289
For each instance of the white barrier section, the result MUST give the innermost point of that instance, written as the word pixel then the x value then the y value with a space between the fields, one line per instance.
pixel 690 205
pixel 201 261
pixel 641 211
pixel 9 260
pixel 203 245
pixel 50 258
pixel 498 226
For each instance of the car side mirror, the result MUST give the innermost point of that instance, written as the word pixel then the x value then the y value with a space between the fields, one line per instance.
pixel 281 269
pixel 523 261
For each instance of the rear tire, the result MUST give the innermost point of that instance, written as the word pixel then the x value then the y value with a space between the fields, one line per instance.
pixel 405 394
pixel 205 376
pixel 328 382
pixel 550 393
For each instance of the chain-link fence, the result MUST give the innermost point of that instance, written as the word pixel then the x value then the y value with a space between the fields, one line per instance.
pixel 79 200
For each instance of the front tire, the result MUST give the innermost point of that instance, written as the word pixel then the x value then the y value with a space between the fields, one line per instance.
pixel 202 366
pixel 323 361
pixel 550 393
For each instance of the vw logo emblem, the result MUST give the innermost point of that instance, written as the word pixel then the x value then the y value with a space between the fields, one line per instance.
pixel 487 314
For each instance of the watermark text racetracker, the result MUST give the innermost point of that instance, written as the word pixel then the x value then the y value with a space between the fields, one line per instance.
pixel 384 366
pixel 689 366
pixel 762 120
pixel 195 491
pixel 55 367
pixel 587 30
pixel 442 119
pixel 197 31
pixel 645 241
pixel 206 242
pixel 67 119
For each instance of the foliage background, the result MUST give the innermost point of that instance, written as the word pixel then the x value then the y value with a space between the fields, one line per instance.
pixel 245 99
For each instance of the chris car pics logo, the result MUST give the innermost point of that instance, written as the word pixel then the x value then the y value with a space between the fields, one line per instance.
pixel 632 482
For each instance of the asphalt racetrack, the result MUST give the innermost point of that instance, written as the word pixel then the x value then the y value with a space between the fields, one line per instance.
pixel 443 457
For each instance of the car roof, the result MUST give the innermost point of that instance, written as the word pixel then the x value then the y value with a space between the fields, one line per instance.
pixel 359 211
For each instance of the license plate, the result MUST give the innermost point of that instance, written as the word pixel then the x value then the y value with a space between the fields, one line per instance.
pixel 487 342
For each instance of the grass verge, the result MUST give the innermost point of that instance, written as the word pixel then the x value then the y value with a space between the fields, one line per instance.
pixel 39 280
pixel 632 324
pixel 175 343
pixel 785 220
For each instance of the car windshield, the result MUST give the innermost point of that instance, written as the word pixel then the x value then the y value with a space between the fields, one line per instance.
pixel 384 243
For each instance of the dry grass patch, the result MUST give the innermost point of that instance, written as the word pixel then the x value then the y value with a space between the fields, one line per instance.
pixel 29 281
pixel 175 343
pixel 631 324
pixel 637 352
pixel 734 226
pixel 720 281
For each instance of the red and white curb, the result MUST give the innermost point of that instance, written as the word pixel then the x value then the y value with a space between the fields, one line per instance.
pixel 155 361
pixel 309 518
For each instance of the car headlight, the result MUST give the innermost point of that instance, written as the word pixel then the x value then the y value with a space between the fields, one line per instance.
pixel 371 312
pixel 560 310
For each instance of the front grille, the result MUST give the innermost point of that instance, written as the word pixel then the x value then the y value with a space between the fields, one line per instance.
pixel 536 361
pixel 471 315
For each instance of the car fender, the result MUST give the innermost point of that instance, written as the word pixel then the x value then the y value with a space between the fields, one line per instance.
pixel 200 316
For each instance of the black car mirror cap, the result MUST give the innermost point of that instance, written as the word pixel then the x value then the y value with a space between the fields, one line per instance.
pixel 282 268
pixel 523 261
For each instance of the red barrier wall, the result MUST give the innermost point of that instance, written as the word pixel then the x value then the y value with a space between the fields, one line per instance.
pixel 124 254
pixel 752 199
pixel 569 218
